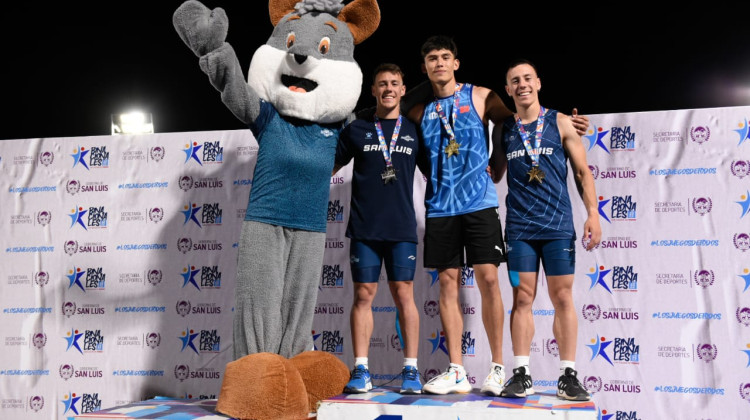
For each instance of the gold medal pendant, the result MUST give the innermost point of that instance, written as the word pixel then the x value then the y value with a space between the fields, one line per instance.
pixel 452 148
pixel 536 174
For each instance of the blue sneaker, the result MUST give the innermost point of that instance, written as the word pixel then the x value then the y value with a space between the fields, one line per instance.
pixel 410 383
pixel 360 381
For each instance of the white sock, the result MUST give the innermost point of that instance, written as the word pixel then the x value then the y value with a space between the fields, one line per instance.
pixel 523 361
pixel 361 361
pixel 566 364
pixel 493 364
pixel 459 367
pixel 410 362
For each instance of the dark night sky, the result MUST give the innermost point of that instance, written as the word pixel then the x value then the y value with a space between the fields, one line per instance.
pixel 67 67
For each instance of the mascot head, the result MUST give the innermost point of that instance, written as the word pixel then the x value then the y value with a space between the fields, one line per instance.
pixel 306 69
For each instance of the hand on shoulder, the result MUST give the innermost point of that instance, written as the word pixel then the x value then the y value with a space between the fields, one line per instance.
pixel 580 122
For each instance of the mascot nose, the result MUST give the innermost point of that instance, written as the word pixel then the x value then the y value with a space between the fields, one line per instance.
pixel 300 58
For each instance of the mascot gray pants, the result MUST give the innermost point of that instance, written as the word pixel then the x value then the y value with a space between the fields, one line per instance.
pixel 278 272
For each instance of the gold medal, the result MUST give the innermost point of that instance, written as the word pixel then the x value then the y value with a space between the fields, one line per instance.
pixel 536 174
pixel 452 148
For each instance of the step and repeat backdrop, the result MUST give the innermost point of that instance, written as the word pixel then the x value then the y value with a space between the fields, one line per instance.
pixel 118 258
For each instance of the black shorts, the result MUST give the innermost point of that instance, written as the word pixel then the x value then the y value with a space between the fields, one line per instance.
pixel 478 233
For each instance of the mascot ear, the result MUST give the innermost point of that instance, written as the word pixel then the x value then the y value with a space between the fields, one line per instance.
pixel 277 9
pixel 362 17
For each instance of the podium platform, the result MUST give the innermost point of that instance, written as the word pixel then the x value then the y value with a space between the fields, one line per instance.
pixel 160 408
pixel 386 403
pixel 382 403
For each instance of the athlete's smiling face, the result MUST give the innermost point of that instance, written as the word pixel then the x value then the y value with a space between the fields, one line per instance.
pixel 388 88
pixel 523 84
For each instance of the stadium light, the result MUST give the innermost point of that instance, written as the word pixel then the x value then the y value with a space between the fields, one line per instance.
pixel 135 122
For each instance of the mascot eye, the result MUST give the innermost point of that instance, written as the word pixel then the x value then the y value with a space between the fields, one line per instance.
pixel 290 40
pixel 324 46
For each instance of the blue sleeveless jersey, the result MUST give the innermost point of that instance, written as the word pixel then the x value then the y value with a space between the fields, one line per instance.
pixel 458 184
pixel 533 210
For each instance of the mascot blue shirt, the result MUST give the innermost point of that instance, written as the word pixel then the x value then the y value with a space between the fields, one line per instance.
pixel 301 151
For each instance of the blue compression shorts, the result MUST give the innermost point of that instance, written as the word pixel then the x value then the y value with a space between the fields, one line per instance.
pixel 366 258
pixel 558 257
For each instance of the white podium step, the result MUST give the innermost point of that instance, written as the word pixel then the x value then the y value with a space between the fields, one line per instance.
pixel 385 403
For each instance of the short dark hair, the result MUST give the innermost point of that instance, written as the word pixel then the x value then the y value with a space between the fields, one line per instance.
pixel 387 67
pixel 439 42
pixel 517 62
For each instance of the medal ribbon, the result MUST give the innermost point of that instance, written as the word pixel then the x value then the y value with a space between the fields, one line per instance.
pixel 533 153
pixel 443 118
pixel 381 139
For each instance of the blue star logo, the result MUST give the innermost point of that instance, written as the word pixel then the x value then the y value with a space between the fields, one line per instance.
pixel 78 156
pixel 75 278
pixel 602 203
pixel 70 403
pixel 745 277
pixel 77 217
pixel 188 276
pixel 597 349
pixel 190 210
pixel 597 277
pixel 315 337
pixel 745 203
pixel 438 342
pixel 595 139
pixel 72 340
pixel 744 132
pixel 747 353
pixel 433 277
pixel 187 340
pixel 190 152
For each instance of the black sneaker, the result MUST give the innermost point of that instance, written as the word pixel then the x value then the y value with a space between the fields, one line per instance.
pixel 519 385
pixel 568 387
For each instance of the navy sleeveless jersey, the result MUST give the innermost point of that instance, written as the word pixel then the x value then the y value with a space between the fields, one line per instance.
pixel 533 210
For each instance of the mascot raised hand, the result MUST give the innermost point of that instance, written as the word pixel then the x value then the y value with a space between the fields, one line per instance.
pixel 301 87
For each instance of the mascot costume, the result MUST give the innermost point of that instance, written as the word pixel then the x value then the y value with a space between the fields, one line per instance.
pixel 301 87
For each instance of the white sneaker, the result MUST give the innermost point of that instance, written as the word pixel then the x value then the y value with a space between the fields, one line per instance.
pixel 451 381
pixel 493 385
